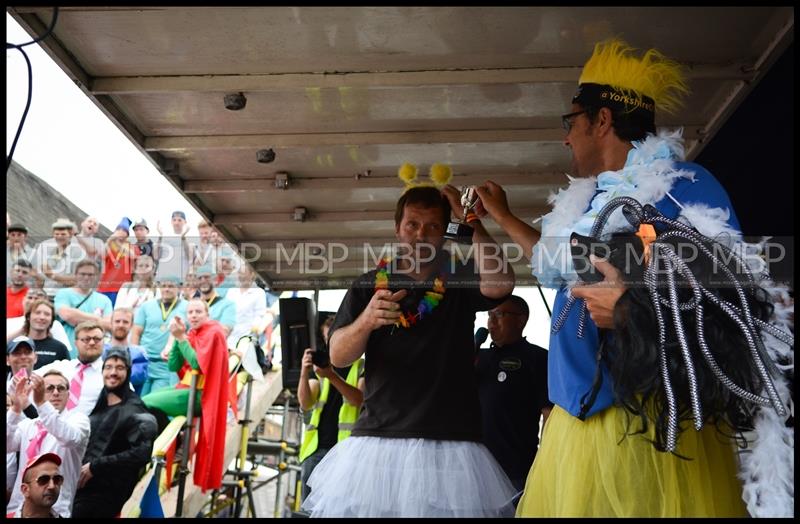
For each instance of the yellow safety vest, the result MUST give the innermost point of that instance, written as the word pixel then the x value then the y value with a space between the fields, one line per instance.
pixel 347 413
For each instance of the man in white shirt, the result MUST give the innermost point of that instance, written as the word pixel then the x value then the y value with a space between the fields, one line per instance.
pixel 17 248
pixel 94 247
pixel 55 258
pixel 85 373
pixel 251 306
pixel 65 433
pixel 173 254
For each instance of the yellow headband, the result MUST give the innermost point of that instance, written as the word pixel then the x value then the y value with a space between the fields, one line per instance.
pixel 440 174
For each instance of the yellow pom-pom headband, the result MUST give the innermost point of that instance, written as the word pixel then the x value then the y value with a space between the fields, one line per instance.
pixel 614 78
pixel 440 175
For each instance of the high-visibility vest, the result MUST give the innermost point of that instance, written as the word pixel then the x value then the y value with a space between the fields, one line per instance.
pixel 347 413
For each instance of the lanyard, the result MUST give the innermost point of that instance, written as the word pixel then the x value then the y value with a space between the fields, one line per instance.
pixel 165 314
pixel 211 300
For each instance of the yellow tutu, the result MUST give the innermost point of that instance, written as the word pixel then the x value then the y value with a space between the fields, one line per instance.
pixel 583 470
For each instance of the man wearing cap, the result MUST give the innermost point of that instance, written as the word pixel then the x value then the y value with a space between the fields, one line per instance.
pixel 65 433
pixel 611 133
pixel 173 254
pixel 55 259
pixel 220 309
pixel 121 442
pixel 143 245
pixel 119 259
pixel 82 303
pixel 94 247
pixel 20 359
pixel 17 288
pixel 41 486
pixel 151 331
pixel 17 246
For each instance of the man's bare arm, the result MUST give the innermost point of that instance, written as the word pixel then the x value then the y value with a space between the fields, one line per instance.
pixel 348 343
pixel 493 200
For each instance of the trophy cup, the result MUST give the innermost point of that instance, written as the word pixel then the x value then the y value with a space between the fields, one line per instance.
pixel 459 230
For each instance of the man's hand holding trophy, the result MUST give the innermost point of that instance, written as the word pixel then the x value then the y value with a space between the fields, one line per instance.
pixel 459 229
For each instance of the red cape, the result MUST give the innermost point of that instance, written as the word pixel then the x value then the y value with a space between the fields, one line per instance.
pixel 209 343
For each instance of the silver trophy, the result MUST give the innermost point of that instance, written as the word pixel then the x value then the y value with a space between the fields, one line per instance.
pixel 458 230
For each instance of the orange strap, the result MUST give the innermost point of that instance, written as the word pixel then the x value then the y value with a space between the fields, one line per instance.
pixel 648 235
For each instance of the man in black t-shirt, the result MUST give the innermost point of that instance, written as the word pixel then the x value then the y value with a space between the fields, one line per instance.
pixel 415 449
pixel 39 320
pixel 512 382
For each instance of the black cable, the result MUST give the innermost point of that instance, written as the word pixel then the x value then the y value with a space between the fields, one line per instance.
pixel 544 299
pixel 27 107
pixel 40 38
pixel 19 47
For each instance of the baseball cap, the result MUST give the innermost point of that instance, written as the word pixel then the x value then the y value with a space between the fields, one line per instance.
pixel 38 459
pixel 179 214
pixel 18 227
pixel 141 222
pixel 22 339
pixel 205 269
pixel 63 223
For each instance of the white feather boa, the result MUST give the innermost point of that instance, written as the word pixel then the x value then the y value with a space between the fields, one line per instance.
pixel 647 176
pixel 766 468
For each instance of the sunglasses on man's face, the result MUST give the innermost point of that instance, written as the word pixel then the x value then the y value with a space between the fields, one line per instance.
pixel 53 387
pixel 568 120
pixel 44 480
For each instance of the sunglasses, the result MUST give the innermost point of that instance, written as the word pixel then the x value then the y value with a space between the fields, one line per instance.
pixel 44 480
pixel 53 387
pixel 566 120
pixel 86 340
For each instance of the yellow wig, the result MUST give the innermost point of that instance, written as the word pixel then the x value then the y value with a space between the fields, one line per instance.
pixel 654 75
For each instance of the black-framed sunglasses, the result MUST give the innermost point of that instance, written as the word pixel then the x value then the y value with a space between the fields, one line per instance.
pixel 44 480
pixel 52 387
pixel 566 120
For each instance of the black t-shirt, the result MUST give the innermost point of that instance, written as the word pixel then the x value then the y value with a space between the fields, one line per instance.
pixel 328 430
pixel 49 350
pixel 145 248
pixel 420 381
pixel 512 381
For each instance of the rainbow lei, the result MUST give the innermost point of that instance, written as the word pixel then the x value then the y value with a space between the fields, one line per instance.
pixel 425 306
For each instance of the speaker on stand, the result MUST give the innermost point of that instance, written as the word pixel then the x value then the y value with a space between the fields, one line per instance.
pixel 298 331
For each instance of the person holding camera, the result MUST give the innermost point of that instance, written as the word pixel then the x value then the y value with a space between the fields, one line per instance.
pixel 335 409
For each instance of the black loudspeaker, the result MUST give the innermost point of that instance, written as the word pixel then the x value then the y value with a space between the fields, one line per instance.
pixel 298 332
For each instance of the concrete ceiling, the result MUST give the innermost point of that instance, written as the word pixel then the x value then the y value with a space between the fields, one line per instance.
pixel 344 95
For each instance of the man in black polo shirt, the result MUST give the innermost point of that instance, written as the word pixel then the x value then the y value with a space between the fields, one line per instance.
pixel 512 382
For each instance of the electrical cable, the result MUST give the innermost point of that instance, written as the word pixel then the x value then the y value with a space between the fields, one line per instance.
pixel 19 47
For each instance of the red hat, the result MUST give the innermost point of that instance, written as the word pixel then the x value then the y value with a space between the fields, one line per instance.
pixel 38 459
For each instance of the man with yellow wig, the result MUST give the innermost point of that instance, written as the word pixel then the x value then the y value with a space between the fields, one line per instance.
pixel 595 458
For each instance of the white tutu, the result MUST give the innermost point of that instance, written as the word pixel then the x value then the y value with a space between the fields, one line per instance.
pixel 409 477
